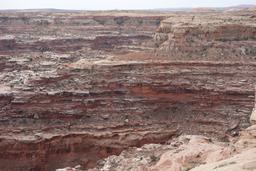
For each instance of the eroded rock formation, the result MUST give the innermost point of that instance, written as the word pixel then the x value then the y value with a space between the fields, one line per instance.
pixel 193 152
pixel 207 36
pixel 79 87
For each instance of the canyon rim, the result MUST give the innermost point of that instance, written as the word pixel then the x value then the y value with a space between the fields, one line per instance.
pixel 125 90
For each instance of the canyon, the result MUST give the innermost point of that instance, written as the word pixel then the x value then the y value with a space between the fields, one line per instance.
pixel 79 87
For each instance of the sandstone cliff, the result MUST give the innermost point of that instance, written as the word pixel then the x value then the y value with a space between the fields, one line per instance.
pixel 194 153
pixel 208 36
pixel 79 87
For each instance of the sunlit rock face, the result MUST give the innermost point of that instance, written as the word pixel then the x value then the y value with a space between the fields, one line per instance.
pixel 76 87
pixel 208 36
pixel 253 115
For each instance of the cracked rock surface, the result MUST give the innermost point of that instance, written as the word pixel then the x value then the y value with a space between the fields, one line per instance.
pixel 78 87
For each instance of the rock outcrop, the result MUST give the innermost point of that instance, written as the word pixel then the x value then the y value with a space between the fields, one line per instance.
pixel 253 115
pixel 195 153
pixel 78 87
pixel 208 36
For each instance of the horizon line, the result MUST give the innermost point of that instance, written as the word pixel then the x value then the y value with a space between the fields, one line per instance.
pixel 133 9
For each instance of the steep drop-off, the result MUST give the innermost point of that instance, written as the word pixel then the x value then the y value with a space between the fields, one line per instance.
pixel 79 87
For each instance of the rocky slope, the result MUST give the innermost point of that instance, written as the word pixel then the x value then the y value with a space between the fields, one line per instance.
pixel 79 87
pixel 194 153
pixel 208 36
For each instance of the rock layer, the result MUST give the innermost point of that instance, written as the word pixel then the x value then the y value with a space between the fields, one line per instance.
pixel 208 36
pixel 192 152
pixel 79 87
pixel 195 153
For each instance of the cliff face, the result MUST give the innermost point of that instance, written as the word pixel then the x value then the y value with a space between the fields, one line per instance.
pixel 230 36
pixel 66 32
pixel 79 87
pixel 187 152
pixel 195 153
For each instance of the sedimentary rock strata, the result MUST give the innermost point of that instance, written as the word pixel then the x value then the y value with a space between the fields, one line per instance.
pixel 79 87
pixel 208 36
pixel 187 152
pixel 195 153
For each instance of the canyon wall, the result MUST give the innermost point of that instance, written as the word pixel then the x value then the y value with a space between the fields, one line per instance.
pixel 78 87
pixel 207 36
